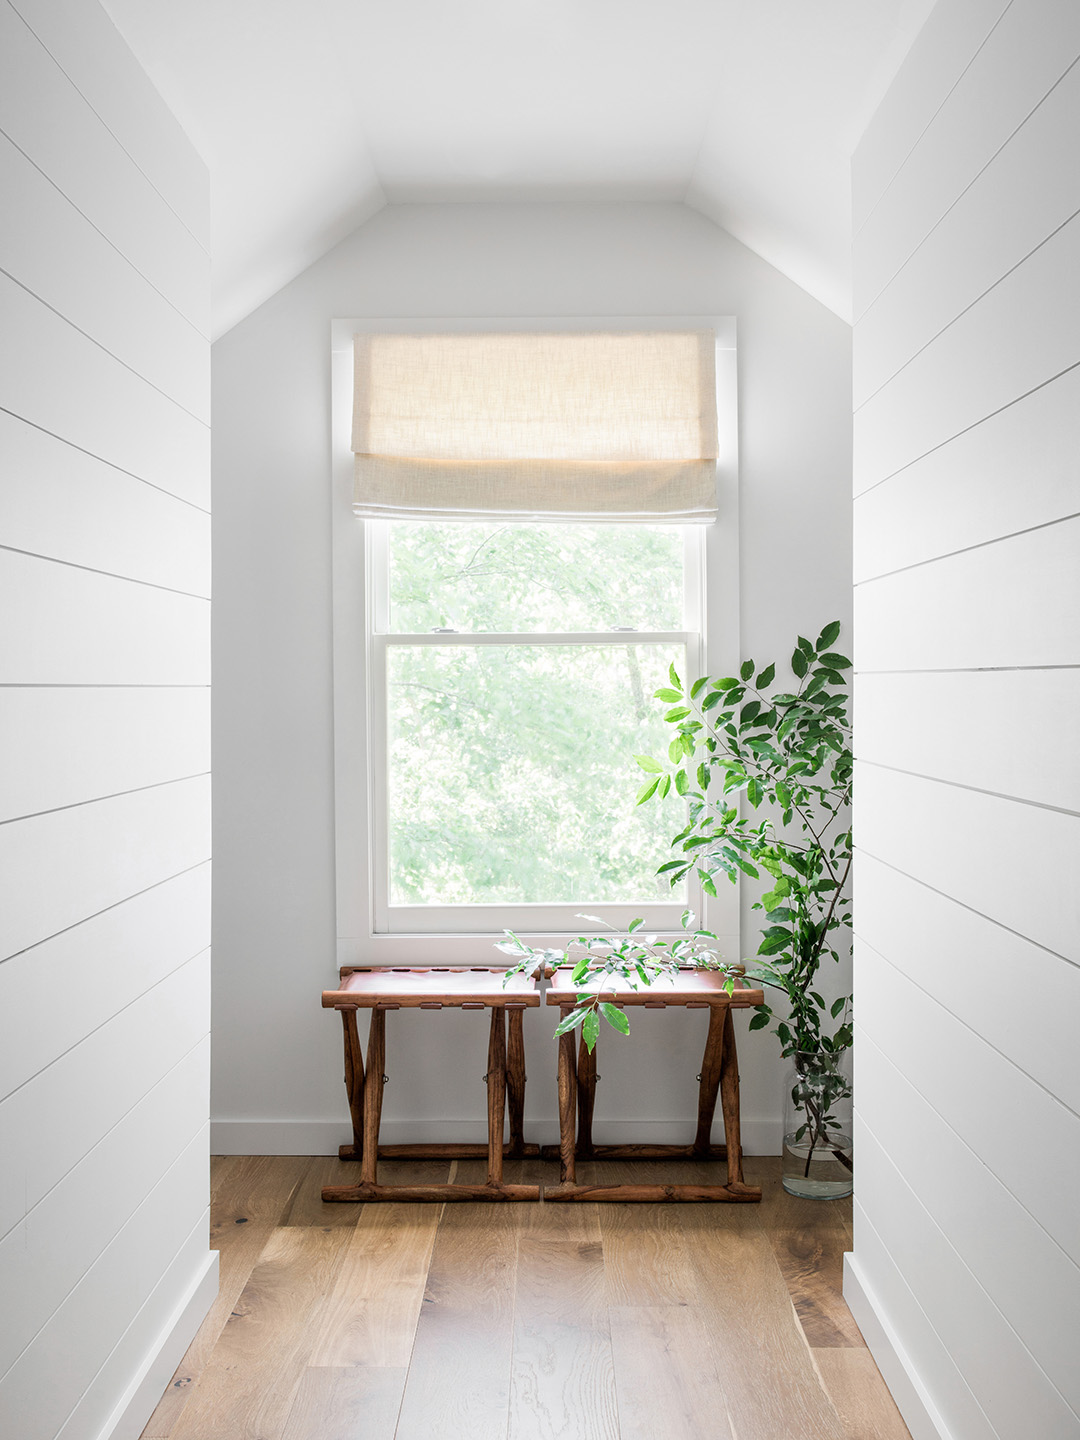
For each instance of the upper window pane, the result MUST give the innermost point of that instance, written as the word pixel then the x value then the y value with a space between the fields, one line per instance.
pixel 530 578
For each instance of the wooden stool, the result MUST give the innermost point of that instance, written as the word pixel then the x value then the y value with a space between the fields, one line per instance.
pixel 694 990
pixel 382 989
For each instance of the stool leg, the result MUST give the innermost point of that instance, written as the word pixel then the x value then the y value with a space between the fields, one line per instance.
pixel 586 1097
pixel 354 1083
pixel 515 1082
pixel 373 1093
pixel 496 1092
pixel 729 1101
pixel 567 1097
pixel 711 1069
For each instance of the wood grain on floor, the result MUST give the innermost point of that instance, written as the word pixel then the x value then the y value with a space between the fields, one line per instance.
pixel 522 1322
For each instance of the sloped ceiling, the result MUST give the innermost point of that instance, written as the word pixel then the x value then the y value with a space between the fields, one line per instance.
pixel 313 114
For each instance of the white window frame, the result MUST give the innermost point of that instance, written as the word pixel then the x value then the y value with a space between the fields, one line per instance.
pixel 369 931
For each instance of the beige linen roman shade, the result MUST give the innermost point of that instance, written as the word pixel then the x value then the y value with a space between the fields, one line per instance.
pixel 575 426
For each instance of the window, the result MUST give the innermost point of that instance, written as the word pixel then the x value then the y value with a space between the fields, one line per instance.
pixel 493 680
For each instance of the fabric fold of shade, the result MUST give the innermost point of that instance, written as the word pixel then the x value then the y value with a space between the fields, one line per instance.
pixel 564 426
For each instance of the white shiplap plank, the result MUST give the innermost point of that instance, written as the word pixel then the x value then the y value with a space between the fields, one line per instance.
pixel 1018 469
pixel 90 50
pixel 969 963
pixel 992 855
pixel 69 265
pixel 1015 602
pixel 104 742
pixel 1020 335
pixel 930 1046
pixel 59 869
pixel 1015 1393
pixel 63 1113
pixel 95 970
pixel 56 378
pixel 62 625
pixel 941 52
pixel 61 503
pixel 47 118
pixel 1029 190
pixel 927 1354
pixel 1023 58
pixel 49 1377
pixel 964 727
pixel 190 1276
pixel 45 1254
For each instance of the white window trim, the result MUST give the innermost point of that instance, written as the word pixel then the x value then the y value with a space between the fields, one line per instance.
pixel 359 939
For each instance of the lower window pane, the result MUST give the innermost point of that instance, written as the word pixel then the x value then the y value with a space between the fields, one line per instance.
pixel 511 774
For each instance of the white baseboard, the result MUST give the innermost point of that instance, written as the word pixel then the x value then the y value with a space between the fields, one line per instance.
pixel 912 1400
pixel 322 1137
pixel 164 1353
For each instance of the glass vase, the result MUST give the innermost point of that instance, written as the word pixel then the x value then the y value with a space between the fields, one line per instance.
pixel 817 1125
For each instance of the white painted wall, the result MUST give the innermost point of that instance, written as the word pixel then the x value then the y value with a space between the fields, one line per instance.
pixel 105 1266
pixel 967 566
pixel 277 1055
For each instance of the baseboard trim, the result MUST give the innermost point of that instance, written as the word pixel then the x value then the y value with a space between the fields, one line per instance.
pixel 164 1353
pixel 322 1137
pixel 912 1400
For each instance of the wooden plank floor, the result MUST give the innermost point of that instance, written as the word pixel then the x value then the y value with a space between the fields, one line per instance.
pixel 522 1322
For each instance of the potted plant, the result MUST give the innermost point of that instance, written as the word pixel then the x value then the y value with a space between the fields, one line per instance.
pixel 789 752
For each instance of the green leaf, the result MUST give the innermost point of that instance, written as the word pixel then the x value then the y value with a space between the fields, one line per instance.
pixel 837 1006
pixel 727 683
pixel 703 776
pixel 749 712
pixel 682 782
pixel 615 1017
pixel 766 677
pixel 746 669
pixel 668 695
pixel 572 1021
pixel 713 698
pixel 634 925
pixel 674 716
pixel 675 750
pixel 647 791
pixel 828 635
pixel 798 663
pixel 648 763
pixel 665 786
pixel 590 1029
pixel 759 1020
pixel 698 686
pixel 674 674
pixel 834 661
pixel 754 793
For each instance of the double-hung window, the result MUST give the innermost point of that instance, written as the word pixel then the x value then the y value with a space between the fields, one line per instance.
pixel 520 604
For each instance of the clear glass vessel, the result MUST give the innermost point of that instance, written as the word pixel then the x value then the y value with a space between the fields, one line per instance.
pixel 817 1125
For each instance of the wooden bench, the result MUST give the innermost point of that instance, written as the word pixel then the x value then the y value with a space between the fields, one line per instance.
pixel 690 989
pixel 382 988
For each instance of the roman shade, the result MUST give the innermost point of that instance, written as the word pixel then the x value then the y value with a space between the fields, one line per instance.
pixel 567 426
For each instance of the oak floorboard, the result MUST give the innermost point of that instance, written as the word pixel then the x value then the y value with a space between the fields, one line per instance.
pixel 860 1395
pixel 249 1195
pixel 371 1314
pixel 665 1375
pixel 563 1381
pixel 773 1387
pixel 352 1402
pixel 459 1372
pixel 247 1388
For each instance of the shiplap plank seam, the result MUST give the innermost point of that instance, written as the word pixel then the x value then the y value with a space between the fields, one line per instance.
pixel 172 780
pixel 104 910
pixel 959 1258
pixel 972 789
pixel 945 895
pixel 101 459
pixel 1009 1059
pixel 80 91
pixel 970 306
pixel 109 574
pixel 126 258
pixel 898 167
pixel 131 369
pixel 969 669
pixel 203 950
pixel 964 430
pixel 964 549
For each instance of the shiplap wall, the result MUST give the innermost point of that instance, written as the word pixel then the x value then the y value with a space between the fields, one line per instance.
pixel 966 1267
pixel 105 1267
